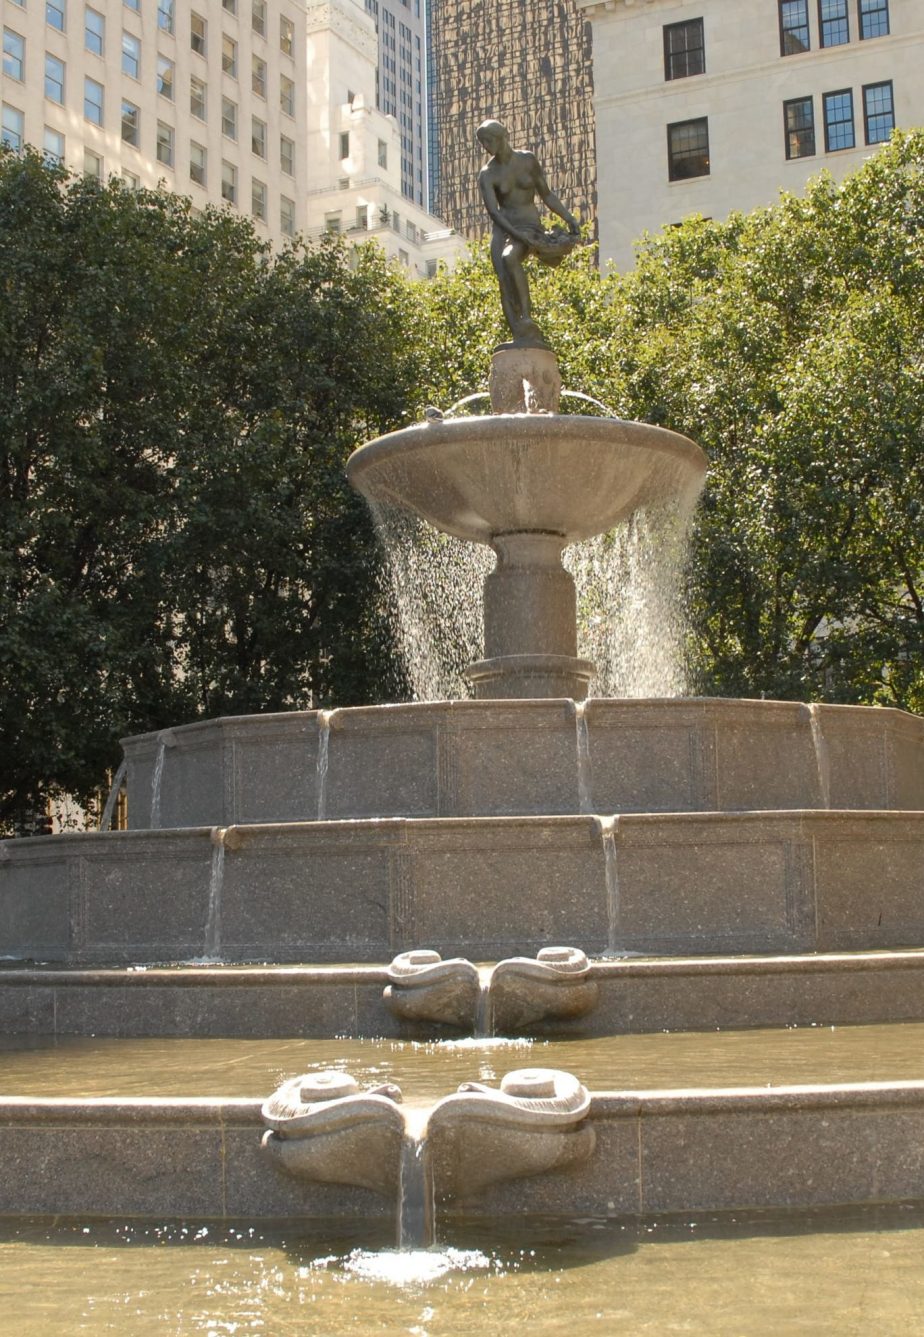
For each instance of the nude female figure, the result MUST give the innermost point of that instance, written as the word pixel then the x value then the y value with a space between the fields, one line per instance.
pixel 509 184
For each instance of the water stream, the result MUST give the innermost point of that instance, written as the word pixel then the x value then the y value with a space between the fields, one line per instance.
pixel 584 773
pixel 609 827
pixel 156 782
pixel 822 756
pixel 212 945
pixel 484 1018
pixel 416 1224
pixel 324 717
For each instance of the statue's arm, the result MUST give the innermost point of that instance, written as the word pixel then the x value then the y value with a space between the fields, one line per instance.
pixel 551 200
pixel 489 195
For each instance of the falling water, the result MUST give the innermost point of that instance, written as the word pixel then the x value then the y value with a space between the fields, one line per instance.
pixel 822 756
pixel 105 822
pixel 631 616
pixel 484 1009
pixel 416 1208
pixel 434 594
pixel 212 946
pixel 156 780
pixel 609 827
pixel 585 798
pixel 323 760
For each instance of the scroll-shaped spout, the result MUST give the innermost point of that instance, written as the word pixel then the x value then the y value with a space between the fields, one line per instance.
pixel 534 1124
pixel 322 1127
pixel 424 987
pixel 555 986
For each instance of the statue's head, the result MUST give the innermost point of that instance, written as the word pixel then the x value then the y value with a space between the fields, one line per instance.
pixel 491 135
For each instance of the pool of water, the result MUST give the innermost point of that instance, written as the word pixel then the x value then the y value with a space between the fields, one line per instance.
pixel 846 1273
pixel 45 1066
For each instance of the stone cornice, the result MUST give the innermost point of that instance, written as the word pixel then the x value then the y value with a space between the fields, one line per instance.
pixel 348 22
pixel 596 8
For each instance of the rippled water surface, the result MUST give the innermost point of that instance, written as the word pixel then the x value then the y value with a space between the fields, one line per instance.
pixel 850 1273
pixel 67 1066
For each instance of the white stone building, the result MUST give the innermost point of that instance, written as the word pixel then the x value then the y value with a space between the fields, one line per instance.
pixel 705 106
pixel 267 106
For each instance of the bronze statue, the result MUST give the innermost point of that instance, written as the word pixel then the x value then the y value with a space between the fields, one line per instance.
pixel 509 184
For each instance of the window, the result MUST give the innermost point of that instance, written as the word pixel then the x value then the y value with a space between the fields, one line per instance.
pixel 165 15
pixel 878 112
pixel 684 49
pixel 258 137
pixel 362 216
pixel 431 269
pixel 14 54
pixel 332 223
pixel 229 118
pixel 396 222
pixel 165 144
pixel 131 181
pixel 130 121
pixel 229 6
pixel 258 76
pixel 197 33
pixel 874 18
pixel 165 77
pixel 688 149
pixel 54 78
pixel 94 32
pixel 286 216
pixel 92 165
pixel 833 23
pixel 383 153
pixel 53 147
pixel 229 183
pixel 287 94
pixel 404 257
pixel 93 101
pixel 131 55
pixel 258 16
pixel 136 6
pixel 258 199
pixel 287 155
pixel 794 27
pixel 54 14
pixel 13 127
pixel 229 55
pixel 286 35
pixel 410 231
pixel 839 132
pixel 198 162
pixel 198 95
pixel 345 145
pixel 799 121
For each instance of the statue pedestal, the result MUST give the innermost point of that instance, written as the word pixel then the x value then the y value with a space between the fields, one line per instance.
pixel 525 380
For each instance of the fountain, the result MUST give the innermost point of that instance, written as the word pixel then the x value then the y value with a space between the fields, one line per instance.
pixel 714 864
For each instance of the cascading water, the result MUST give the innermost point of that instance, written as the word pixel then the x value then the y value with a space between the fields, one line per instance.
pixel 609 827
pixel 212 945
pixel 822 756
pixel 584 774
pixel 416 1203
pixel 324 717
pixel 156 782
pixel 434 595
pixel 484 1010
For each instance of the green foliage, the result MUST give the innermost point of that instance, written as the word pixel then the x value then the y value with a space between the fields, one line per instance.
pixel 176 405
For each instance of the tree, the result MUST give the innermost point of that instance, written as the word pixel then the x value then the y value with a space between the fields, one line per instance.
pixel 176 405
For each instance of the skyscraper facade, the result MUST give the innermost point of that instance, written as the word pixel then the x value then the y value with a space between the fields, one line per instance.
pixel 401 85
pixel 526 63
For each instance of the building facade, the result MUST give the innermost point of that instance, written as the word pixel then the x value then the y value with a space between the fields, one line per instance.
pixel 400 88
pixel 526 63
pixel 267 106
pixel 706 106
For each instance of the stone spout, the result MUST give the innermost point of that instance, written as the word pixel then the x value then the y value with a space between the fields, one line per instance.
pixel 321 1127
pixel 553 986
pixel 424 987
pixel 535 1123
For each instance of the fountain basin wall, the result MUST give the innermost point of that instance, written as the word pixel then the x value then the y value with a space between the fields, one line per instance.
pixel 655 1152
pixel 486 888
pixel 498 758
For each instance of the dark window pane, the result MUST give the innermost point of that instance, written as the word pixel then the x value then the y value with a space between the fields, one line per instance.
pixel 878 112
pixel 799 118
pixel 874 18
pixel 794 27
pixel 839 121
pixel 833 23
pixel 688 149
pixel 684 49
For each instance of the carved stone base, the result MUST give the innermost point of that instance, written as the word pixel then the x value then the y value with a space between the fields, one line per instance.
pixel 517 677
pixel 525 380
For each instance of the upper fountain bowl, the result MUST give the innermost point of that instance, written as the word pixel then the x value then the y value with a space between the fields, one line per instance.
pixel 570 475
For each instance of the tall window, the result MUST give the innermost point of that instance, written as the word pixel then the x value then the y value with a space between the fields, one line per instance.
pixel 287 94
pixel 878 112
pixel 258 76
pixel 198 98
pixel 93 101
pixel 287 155
pixel 258 136
pixel 53 147
pixel 229 182
pixel 165 77
pixel 198 162
pixel 92 165
pixel 286 216
pixel 258 199
pixel 229 6
pixel 286 35
pixel 229 55
pixel 258 16
pixel 383 153
pixel 131 55
pixel 13 127
pixel 684 49
pixel 833 23
pixel 14 54
pixel 197 33
pixel 165 14
pixel 688 149
pixel 839 133
pixel 54 14
pixel 229 118
pixel 136 6
pixel 799 121
pixel 344 144
pixel 794 27
pixel 165 144
pixel 874 18
pixel 54 79
pixel 94 32
pixel 130 123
